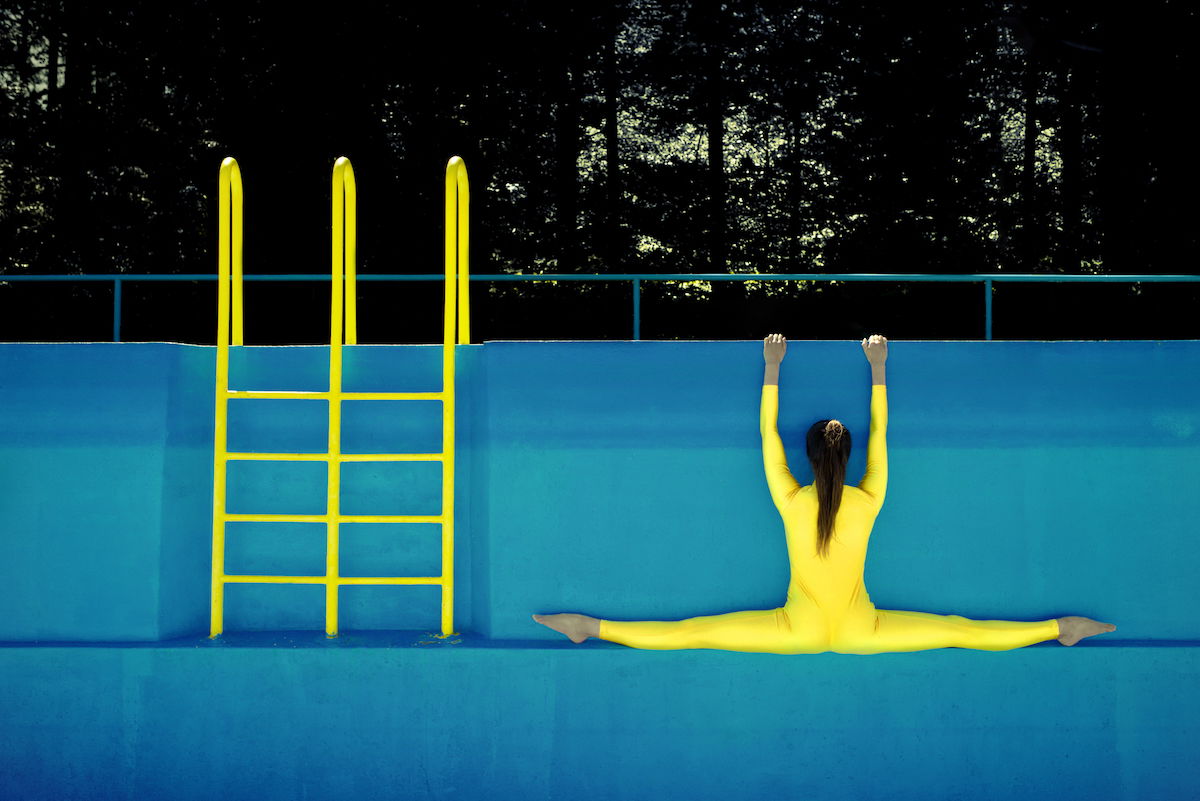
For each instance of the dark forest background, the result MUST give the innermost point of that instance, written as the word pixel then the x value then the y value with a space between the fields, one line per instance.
pixel 606 137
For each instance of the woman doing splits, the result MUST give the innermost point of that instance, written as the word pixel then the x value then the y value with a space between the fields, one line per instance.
pixel 828 524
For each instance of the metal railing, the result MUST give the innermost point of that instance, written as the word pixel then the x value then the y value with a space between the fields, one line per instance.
pixel 987 279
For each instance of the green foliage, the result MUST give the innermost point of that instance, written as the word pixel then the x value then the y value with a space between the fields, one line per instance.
pixel 627 136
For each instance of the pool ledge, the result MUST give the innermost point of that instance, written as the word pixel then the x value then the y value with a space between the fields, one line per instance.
pixel 426 639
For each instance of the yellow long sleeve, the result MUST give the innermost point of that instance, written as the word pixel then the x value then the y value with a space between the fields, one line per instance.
pixel 874 480
pixel 779 478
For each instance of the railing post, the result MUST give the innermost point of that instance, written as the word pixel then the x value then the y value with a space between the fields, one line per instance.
pixel 637 308
pixel 116 310
pixel 987 306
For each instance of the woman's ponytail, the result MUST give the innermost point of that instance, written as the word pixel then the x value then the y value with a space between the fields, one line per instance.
pixel 828 445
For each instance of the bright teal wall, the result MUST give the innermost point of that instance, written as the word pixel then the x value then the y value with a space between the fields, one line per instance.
pixel 1028 480
pixel 621 479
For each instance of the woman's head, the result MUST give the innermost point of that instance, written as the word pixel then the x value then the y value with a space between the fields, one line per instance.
pixel 828 446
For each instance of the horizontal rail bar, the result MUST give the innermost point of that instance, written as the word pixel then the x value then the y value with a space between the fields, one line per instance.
pixel 287 518
pixel 326 395
pixel 340 457
pixel 325 580
pixel 1035 277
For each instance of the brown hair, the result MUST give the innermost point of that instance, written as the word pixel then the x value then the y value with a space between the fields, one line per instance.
pixel 828 445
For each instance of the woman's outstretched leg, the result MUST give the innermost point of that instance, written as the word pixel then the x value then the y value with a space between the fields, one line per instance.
pixel 754 631
pixel 895 631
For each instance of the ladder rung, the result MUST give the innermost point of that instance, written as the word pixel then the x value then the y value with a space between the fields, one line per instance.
pixel 245 393
pixel 323 580
pixel 339 518
pixel 341 457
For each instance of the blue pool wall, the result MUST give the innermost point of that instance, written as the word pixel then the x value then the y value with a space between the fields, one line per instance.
pixel 624 479
pixel 1028 480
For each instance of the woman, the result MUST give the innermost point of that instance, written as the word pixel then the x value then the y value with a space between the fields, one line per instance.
pixel 828 525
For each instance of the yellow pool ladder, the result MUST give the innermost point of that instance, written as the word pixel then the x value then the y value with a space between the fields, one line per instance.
pixel 343 276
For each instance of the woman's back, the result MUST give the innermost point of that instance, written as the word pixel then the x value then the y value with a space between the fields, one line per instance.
pixel 834 579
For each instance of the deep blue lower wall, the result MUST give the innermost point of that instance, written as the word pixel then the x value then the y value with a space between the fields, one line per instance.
pixel 595 722
pixel 1028 480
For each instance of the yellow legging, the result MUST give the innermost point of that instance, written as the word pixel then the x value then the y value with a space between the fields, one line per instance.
pixel 800 630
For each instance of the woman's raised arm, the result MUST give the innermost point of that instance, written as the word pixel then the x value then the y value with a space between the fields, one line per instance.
pixel 874 480
pixel 780 481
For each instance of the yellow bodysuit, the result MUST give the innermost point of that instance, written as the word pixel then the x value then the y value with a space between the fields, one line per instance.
pixel 827 608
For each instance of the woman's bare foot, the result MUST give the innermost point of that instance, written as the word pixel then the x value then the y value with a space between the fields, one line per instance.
pixel 577 627
pixel 1073 629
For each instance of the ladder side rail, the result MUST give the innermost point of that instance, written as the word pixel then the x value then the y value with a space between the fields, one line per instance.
pixel 342 252
pixel 457 198
pixel 229 247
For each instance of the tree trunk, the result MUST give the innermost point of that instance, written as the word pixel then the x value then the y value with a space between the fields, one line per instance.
pixel 1121 153
pixel 55 36
pixel 728 296
pixel 74 244
pixel 566 165
pixel 797 189
pixel 1072 173
pixel 1029 255
pixel 714 124
pixel 610 227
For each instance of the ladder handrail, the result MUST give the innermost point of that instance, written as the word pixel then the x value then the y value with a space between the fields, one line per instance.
pixel 345 240
pixel 458 193
pixel 230 202
pixel 342 199
pixel 229 247
pixel 457 281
